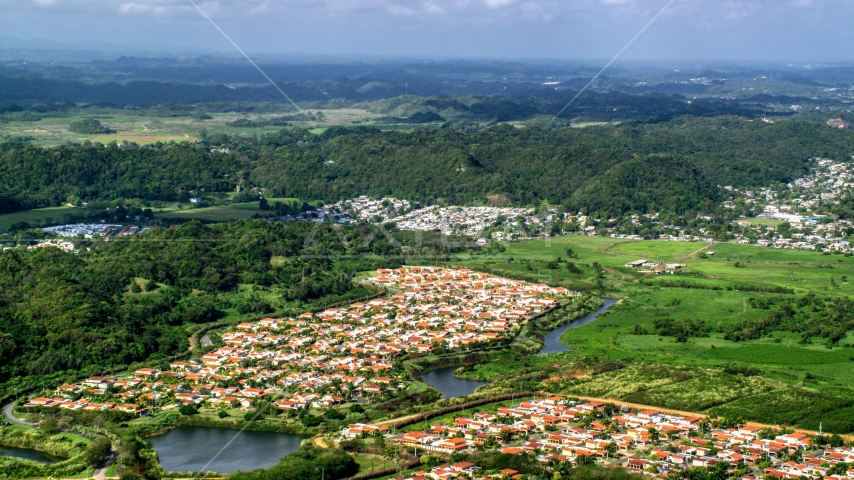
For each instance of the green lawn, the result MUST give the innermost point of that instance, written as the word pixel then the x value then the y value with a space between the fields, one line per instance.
pixel 372 463
pixel 762 221
pixel 449 418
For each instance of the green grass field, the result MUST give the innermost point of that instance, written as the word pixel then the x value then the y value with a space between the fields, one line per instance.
pixel 221 213
pixel 781 360
pixel 218 213
pixel 762 221
pixel 35 216
pixel 372 463
pixel 238 211
pixel 593 124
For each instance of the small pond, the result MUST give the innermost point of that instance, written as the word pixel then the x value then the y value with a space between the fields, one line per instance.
pixel 444 380
pixel 29 454
pixel 191 449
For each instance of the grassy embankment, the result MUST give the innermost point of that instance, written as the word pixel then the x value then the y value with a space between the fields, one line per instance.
pixel 67 446
pixel 773 379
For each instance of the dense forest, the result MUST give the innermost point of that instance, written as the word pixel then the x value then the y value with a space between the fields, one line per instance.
pixel 531 98
pixel 124 301
pixel 674 166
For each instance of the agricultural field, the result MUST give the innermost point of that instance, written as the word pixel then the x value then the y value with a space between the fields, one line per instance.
pixel 142 128
pixel 721 289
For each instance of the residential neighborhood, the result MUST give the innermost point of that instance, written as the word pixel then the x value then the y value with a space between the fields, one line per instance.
pixel 338 354
pixel 803 205
pixel 96 229
pixel 556 430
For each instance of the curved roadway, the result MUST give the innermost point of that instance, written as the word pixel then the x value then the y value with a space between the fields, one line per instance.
pixel 7 412
pixel 101 472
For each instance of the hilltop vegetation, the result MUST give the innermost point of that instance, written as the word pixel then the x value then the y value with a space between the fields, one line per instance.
pixel 89 126
pixel 674 166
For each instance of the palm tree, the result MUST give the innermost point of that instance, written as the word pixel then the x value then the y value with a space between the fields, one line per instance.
pixel 654 434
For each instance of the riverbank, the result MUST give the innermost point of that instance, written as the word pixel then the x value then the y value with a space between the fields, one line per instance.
pixel 165 422
pixel 554 340
pixel 59 445
pixel 529 340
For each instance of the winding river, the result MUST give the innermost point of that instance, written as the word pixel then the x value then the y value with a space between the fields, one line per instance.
pixel 552 339
pixel 444 380
pixel 187 449
pixel 191 449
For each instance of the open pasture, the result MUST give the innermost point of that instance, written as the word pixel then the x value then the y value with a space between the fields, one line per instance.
pixel 35 217
pixel 713 292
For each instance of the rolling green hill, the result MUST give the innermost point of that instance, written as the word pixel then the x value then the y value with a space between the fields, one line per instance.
pixel 674 166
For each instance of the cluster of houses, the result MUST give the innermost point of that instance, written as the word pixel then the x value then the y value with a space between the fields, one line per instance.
pixel 461 470
pixel 62 245
pixel 452 220
pixel 366 208
pixel 800 204
pixel 89 230
pixel 471 221
pixel 359 209
pixel 655 268
pixel 336 355
pixel 556 430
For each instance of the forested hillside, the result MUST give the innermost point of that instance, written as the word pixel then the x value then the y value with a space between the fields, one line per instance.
pixel 129 300
pixel 675 165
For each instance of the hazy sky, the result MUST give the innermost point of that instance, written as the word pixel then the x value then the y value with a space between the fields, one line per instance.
pixel 772 30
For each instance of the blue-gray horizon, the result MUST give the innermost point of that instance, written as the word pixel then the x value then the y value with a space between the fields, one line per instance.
pixel 691 30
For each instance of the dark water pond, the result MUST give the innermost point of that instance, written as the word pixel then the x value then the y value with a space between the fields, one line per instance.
pixel 552 339
pixel 451 386
pixel 28 454
pixel 193 449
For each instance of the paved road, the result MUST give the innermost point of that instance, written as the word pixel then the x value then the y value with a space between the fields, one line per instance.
pixel 206 341
pixel 7 412
pixel 101 471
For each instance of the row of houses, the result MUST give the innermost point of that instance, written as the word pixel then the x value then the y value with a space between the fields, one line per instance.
pixel 461 470
pixel 557 429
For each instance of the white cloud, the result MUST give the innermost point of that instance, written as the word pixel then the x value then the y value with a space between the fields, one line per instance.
pixel 498 3
pixel 147 8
